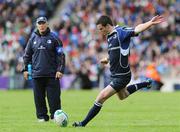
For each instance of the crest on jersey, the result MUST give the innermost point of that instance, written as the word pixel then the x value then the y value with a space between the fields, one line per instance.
pixel 49 41
pixel 115 36
pixel 59 50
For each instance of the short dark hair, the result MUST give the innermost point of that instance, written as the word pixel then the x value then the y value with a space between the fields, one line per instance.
pixel 104 20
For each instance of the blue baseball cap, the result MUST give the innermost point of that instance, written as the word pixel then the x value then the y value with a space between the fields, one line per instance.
pixel 41 19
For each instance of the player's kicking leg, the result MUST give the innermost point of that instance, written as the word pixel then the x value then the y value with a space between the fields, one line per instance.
pixel 101 98
pixel 125 92
pixel 106 93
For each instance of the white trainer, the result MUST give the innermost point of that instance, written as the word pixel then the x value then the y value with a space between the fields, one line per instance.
pixel 41 120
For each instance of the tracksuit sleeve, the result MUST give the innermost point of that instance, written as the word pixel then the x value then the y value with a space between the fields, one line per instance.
pixel 27 57
pixel 60 55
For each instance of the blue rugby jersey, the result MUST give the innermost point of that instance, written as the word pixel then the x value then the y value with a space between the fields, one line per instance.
pixel 119 49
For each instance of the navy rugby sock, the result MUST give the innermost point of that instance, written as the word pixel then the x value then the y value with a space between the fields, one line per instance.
pixel 133 88
pixel 92 113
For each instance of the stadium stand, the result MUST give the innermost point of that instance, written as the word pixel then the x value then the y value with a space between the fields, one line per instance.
pixel 16 24
pixel 82 44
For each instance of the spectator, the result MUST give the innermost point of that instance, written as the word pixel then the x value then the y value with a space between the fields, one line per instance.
pixel 76 29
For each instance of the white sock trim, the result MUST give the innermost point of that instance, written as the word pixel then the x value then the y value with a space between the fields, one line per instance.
pixel 98 104
pixel 136 87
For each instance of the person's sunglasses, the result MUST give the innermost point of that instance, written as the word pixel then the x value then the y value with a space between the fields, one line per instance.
pixel 41 22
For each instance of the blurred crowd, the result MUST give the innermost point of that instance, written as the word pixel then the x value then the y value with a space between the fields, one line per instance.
pixel 154 54
pixel 16 24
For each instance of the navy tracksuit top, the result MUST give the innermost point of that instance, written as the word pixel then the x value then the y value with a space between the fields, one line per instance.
pixel 45 53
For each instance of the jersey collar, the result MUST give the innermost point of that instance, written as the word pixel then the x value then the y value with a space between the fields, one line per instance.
pixel 113 31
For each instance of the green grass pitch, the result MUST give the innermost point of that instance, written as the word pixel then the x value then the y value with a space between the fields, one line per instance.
pixel 141 112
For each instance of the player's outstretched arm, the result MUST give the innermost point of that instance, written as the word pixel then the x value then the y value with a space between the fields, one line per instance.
pixel 144 26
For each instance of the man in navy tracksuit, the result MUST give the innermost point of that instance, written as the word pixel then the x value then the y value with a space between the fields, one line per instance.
pixel 45 52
